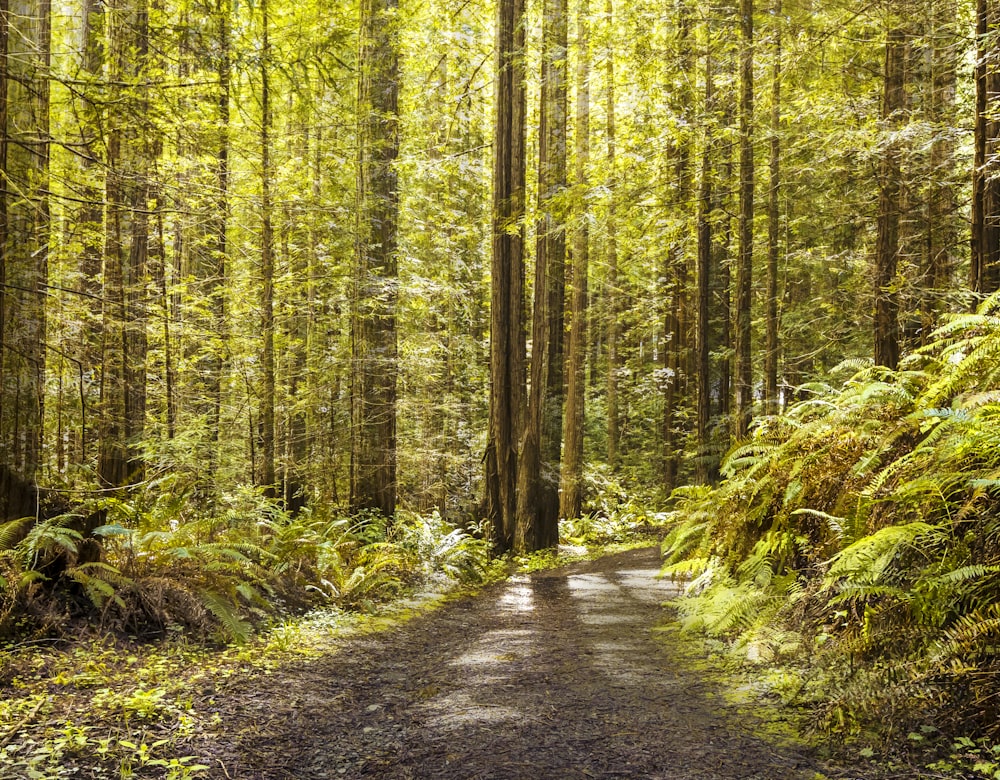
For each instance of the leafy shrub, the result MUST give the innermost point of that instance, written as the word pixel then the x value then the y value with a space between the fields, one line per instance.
pixel 866 518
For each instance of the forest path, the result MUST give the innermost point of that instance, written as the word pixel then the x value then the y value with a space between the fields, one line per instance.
pixel 556 676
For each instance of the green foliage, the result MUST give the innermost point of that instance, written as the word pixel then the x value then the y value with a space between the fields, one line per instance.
pixel 867 520
pixel 162 566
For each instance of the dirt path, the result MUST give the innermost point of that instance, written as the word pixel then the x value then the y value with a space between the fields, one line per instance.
pixel 556 676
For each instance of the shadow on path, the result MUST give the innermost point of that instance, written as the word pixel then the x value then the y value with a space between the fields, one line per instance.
pixel 555 676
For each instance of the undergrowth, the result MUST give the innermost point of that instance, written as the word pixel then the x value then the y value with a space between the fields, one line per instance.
pixel 854 545
pixel 153 565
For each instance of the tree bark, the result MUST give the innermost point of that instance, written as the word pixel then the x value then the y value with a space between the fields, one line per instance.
pixel 985 264
pixel 721 274
pixel 942 235
pixel 773 225
pixel 611 297
pixel 571 499
pixel 10 504
pixel 90 216
pixel 539 462
pixel 507 338
pixel 373 322
pixel 25 45
pixel 123 376
pixel 677 351
pixel 744 267
pixel 267 383
pixel 703 401
pixel 216 288
pixel 886 319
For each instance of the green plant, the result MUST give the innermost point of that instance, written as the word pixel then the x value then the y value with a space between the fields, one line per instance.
pixel 866 518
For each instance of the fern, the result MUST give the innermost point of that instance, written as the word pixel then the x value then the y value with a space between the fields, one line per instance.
pixel 971 634
pixel 50 537
pixel 686 569
pixel 13 531
pixel 967 573
pixel 683 540
pixel 100 582
pixel 855 366
pixel 867 559
pixel 235 627
pixel 837 525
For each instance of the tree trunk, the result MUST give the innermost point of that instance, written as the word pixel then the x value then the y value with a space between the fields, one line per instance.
pixel 373 321
pixel 90 215
pixel 25 38
pixel 676 351
pixel 296 340
pixel 129 148
pixel 942 235
pixel 744 267
pixel 571 500
pixel 985 265
pixel 216 288
pixel 611 285
pixel 773 225
pixel 887 242
pixel 721 275
pixel 11 505
pixel 267 383
pixel 703 404
pixel 539 465
pixel 507 345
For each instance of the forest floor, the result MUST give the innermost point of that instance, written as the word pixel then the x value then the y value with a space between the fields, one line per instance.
pixel 563 674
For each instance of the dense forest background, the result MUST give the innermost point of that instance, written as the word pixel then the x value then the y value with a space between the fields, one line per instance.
pixel 299 298
pixel 183 219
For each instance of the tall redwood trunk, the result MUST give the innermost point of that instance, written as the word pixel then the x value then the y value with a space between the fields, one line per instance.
pixel 677 350
pixel 985 266
pixel 611 285
pixel 25 43
pixel 942 228
pixel 773 224
pixel 267 382
pixel 702 362
pixel 540 453
pixel 373 322
pixel 571 498
pixel 744 266
pixel 886 320
pixel 507 344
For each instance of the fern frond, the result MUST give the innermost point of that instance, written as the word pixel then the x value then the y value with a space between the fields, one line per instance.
pixel 868 557
pixel 97 588
pixel 855 591
pixel 834 523
pixel 978 366
pixel 853 366
pixel 970 632
pixel 51 537
pixel 988 485
pixel 964 574
pixel 691 567
pixel 13 531
pixel 748 455
pixel 235 627
pixel 683 540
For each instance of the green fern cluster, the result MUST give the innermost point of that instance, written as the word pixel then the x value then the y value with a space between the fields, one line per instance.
pixel 867 517
pixel 153 565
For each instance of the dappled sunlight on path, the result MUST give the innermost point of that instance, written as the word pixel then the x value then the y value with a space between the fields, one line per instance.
pixel 558 675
